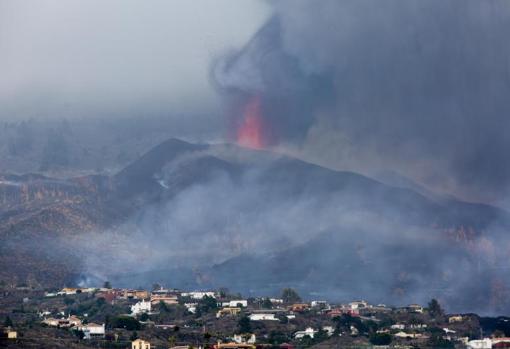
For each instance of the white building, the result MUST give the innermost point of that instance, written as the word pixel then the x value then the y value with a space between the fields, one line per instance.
pixel 141 307
pixel 330 330
pixel 307 332
pixel 239 303
pixel 92 330
pixel 485 343
pixel 276 300
pixel 398 327
pixel 356 305
pixel 263 317
pixel 198 294
pixel 192 307
pixel 322 304
pixel 245 338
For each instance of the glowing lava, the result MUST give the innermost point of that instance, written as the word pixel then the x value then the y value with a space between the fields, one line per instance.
pixel 250 131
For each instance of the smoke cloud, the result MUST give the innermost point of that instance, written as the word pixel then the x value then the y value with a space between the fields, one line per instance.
pixel 417 87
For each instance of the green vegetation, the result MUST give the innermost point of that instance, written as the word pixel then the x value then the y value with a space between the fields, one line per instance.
pixel 380 339
pixel 289 295
pixel 244 325
pixel 126 322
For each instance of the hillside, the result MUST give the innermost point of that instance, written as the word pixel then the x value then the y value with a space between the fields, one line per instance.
pixel 251 219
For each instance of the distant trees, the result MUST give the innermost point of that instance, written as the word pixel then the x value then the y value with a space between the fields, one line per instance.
pixel 289 295
pixel 266 303
pixel 244 325
pixel 8 322
pixel 380 339
pixel 56 150
pixel 434 308
pixel 207 304
pixel 126 322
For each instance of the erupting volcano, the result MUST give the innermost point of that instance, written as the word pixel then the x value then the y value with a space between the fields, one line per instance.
pixel 250 130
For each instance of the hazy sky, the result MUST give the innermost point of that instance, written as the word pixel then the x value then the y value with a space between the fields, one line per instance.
pixel 74 57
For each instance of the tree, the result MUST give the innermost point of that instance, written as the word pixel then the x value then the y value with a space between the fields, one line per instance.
pixel 267 304
pixel 133 336
pixel 107 285
pixel 8 322
pixel 380 339
pixel 435 308
pixel 126 322
pixel 206 304
pixel 437 341
pixel 244 325
pixel 289 295
pixel 144 317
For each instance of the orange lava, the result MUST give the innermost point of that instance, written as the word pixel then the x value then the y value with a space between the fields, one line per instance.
pixel 250 131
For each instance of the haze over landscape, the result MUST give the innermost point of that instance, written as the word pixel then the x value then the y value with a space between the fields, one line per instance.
pixel 348 149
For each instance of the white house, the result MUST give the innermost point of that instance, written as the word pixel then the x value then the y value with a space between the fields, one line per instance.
pixel 276 300
pixel 356 305
pixel 141 307
pixel 330 330
pixel 245 338
pixel 192 307
pixel 263 317
pixel 398 327
pixel 92 330
pixel 239 303
pixel 308 332
pixel 323 304
pixel 198 294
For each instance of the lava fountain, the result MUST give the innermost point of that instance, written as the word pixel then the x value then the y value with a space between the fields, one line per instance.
pixel 250 130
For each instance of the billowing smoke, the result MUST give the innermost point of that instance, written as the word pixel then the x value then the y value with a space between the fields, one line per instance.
pixel 420 87
pixel 257 222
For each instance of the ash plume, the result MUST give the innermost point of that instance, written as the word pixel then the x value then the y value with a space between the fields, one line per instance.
pixel 417 87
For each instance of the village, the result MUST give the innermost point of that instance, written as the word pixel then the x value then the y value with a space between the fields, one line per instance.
pixel 108 317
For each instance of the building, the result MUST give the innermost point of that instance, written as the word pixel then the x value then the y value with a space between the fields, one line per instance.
pixel 167 299
pixel 74 321
pixel 358 305
pixel 406 335
pixel 330 330
pixel 198 294
pixel 134 294
pixel 320 304
pixel 485 343
pixel 263 317
pixel 455 318
pixel 92 330
pixel 249 338
pixel 192 307
pixel 238 303
pixel 415 308
pixel 276 300
pixel 398 327
pixel 233 345
pixel 52 322
pixel 9 333
pixel 228 311
pixel 141 307
pixel 310 332
pixel 299 307
pixel 140 344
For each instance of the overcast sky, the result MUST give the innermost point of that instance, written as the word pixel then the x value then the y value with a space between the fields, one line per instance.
pixel 75 57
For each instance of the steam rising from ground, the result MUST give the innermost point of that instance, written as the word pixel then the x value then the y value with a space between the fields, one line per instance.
pixel 327 245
